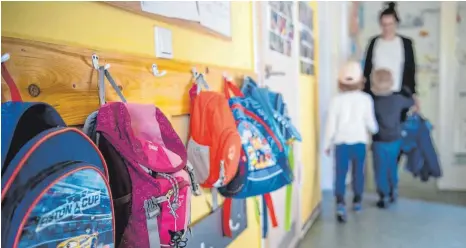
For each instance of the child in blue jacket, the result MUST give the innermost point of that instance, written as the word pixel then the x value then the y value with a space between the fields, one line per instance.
pixel 386 144
pixel 350 119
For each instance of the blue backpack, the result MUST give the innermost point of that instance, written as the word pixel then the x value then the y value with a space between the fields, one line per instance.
pixel 264 165
pixel 55 191
pixel 273 104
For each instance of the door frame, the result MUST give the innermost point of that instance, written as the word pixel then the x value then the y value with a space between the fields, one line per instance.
pixel 453 175
pixel 259 69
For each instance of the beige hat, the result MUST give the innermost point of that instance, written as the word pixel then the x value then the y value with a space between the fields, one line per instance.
pixel 351 73
pixel 381 82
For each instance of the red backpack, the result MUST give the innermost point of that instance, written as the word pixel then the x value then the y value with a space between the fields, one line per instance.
pixel 214 146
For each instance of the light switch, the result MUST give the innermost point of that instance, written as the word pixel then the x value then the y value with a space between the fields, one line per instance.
pixel 163 43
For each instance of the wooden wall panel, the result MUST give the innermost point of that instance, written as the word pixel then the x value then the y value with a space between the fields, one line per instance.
pixel 68 81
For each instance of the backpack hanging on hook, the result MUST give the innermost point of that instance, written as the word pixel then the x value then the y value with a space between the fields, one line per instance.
pixel 214 145
pixel 55 189
pixel 147 167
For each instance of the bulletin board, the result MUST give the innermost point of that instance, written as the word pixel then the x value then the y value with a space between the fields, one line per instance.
pixel 209 17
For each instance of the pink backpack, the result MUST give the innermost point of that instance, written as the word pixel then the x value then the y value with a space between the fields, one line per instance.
pixel 155 159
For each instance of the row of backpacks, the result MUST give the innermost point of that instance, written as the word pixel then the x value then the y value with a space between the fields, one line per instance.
pixel 126 179
pixel 240 144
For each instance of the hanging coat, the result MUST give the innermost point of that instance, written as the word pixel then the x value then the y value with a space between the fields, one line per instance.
pixel 422 160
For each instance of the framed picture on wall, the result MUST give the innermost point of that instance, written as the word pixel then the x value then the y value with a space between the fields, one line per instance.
pixel 281 28
pixel 306 38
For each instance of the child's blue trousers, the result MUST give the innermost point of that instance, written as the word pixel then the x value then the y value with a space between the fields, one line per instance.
pixel 354 154
pixel 385 156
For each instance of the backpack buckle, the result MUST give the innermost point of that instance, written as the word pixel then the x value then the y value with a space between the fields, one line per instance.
pixel 194 185
pixel 151 208
pixel 221 176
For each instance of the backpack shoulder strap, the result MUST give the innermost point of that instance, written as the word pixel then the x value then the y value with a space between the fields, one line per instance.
pixel 15 95
pixel 289 191
pixel 268 209
pixel 14 111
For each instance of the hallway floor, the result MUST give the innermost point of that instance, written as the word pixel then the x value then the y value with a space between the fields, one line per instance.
pixel 408 224
pixel 413 188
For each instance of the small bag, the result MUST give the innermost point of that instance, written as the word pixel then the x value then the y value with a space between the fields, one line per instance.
pixel 214 146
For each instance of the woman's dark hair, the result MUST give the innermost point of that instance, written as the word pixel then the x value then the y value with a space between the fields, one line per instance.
pixel 389 10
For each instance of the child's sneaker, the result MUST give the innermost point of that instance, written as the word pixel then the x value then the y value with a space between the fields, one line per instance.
pixel 357 207
pixel 382 203
pixel 341 213
pixel 393 196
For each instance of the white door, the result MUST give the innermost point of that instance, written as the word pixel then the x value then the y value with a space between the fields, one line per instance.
pixel 278 69
pixel 460 89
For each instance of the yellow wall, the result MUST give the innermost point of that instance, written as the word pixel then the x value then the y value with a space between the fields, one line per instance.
pixel 310 190
pixel 103 27
pixel 100 26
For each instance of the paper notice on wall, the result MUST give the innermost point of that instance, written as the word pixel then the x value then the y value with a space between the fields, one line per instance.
pixel 216 15
pixel 173 9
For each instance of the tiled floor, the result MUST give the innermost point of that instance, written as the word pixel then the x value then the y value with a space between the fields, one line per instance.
pixel 424 217
pixel 413 188
pixel 408 224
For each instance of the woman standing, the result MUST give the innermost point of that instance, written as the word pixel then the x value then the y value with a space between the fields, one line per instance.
pixel 393 52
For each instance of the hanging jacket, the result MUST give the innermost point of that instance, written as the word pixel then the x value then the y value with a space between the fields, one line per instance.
pixel 422 160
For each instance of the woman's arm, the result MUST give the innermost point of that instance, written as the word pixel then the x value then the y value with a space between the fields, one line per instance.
pixel 368 65
pixel 410 66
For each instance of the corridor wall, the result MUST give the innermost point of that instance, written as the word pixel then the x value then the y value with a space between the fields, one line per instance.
pixel 72 27
pixel 433 28
pixel 311 193
pixel 333 40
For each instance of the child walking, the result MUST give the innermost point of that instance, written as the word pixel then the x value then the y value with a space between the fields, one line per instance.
pixel 350 119
pixel 387 142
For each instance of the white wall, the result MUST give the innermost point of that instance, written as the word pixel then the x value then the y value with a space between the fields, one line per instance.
pixel 438 82
pixel 333 49
pixel 426 46
pixel 454 174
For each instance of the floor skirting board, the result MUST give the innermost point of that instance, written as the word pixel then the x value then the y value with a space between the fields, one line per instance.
pixel 308 224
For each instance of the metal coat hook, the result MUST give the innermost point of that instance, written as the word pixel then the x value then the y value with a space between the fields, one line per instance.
pixel 228 78
pixel 156 72
pixel 95 62
pixel 5 57
pixel 199 78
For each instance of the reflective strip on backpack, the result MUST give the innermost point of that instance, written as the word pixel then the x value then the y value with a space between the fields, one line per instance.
pixel 289 191
pixel 152 212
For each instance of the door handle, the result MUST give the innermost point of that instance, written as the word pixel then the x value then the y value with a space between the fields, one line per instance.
pixel 269 72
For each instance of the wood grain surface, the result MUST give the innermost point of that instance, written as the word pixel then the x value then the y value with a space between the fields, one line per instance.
pixel 68 81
